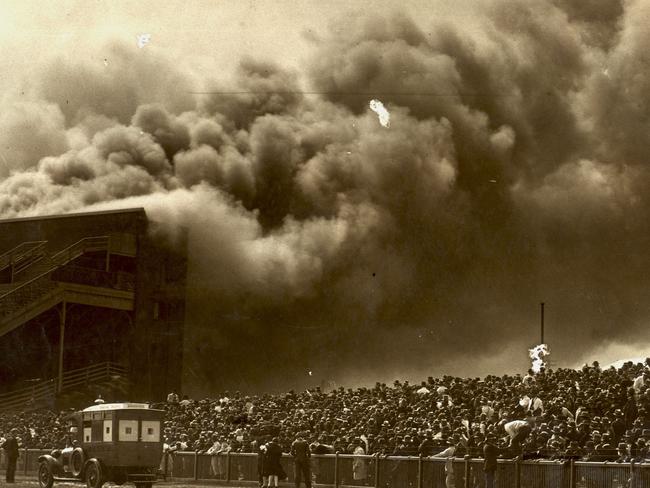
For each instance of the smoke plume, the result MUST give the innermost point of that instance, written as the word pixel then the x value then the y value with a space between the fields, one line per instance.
pixel 514 169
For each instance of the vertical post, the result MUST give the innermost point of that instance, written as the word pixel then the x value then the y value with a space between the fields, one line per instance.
pixel 377 458
pixel 420 480
pixel 572 474
pixel 542 322
pixel 336 470
pixel 518 472
pixel 62 317
pixel 228 466
pixel 26 460
pixel 467 483
pixel 108 258
pixel 196 465
pixel 632 471
pixel 165 465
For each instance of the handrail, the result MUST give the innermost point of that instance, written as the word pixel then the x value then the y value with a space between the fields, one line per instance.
pixel 65 256
pixel 46 388
pixel 103 368
pixel 20 251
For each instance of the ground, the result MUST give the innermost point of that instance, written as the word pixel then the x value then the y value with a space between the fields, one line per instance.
pixel 34 484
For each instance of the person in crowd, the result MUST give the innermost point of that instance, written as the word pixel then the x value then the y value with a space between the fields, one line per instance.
pixel 301 460
pixel 427 446
pixel 216 450
pixel 10 447
pixel 273 469
pixel 319 447
pixel 490 455
pixel 263 479
pixel 359 464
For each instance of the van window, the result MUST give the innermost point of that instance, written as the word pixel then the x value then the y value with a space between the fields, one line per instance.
pixel 87 431
pixel 108 430
pixel 128 430
pixel 151 431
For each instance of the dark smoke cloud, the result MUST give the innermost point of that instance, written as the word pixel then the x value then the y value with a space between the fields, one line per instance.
pixel 513 171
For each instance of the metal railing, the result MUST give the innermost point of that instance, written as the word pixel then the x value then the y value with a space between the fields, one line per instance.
pixel 63 257
pixel 394 472
pixel 117 280
pixel 22 255
pixel 415 472
pixel 15 299
pixel 44 391
pixel 91 374
pixel 87 244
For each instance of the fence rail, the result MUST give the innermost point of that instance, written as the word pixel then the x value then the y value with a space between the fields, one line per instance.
pixel 415 472
pixel 394 471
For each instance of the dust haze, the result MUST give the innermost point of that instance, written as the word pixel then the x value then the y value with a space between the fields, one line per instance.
pixel 514 170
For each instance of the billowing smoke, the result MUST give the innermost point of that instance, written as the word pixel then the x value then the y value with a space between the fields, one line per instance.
pixel 324 245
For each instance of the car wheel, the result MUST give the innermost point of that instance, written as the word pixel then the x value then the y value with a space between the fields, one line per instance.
pixel 77 462
pixel 94 475
pixel 45 476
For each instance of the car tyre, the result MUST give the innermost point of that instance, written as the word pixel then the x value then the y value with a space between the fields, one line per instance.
pixel 45 475
pixel 77 462
pixel 94 475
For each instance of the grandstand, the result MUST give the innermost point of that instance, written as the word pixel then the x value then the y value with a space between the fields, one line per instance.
pixel 89 300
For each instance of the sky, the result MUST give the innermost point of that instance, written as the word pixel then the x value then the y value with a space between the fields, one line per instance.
pixel 513 171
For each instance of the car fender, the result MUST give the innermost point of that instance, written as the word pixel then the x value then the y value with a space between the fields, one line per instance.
pixel 54 464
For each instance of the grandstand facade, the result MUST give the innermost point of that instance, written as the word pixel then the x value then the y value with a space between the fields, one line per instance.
pixel 98 294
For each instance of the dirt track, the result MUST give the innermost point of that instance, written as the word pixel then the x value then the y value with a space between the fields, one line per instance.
pixel 34 484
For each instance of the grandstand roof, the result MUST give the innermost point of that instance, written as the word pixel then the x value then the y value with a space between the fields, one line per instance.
pixel 76 214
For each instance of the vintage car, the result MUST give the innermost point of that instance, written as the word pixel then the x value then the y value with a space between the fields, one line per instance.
pixel 118 442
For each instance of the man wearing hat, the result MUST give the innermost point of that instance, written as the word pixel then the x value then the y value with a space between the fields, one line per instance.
pixel 301 460
pixel 11 451
pixel 490 454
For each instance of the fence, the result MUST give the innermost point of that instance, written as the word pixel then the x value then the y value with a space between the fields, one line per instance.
pixel 412 472
pixel 390 472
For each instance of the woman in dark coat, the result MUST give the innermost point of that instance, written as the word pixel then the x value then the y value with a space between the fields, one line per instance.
pixel 271 464
pixel 261 453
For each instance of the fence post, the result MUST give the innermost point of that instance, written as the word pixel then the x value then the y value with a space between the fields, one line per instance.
pixel 228 466
pixel 196 465
pixel 25 460
pixel 572 474
pixel 518 472
pixel 377 458
pixel 420 481
pixel 165 465
pixel 467 483
pixel 336 469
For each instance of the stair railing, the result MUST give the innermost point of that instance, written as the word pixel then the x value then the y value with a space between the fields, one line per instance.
pixel 19 255
pixel 45 390
pixel 63 257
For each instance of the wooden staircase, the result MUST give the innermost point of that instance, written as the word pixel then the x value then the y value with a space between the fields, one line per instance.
pixel 34 290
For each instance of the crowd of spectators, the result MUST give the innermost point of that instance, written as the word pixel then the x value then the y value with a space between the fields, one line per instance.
pixel 591 414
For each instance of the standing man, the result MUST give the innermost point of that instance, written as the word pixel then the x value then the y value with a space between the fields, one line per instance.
pixel 11 450
pixel 301 454
pixel 490 454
